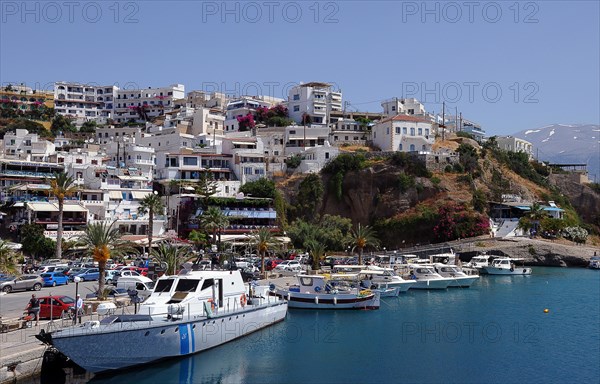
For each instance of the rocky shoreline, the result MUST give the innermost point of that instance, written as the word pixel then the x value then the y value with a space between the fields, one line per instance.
pixel 535 252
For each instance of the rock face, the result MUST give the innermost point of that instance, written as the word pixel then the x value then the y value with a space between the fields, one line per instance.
pixel 583 198
pixel 537 252
pixel 373 193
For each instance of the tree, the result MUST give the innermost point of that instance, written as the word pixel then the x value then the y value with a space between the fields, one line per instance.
pixel 317 250
pixel 207 187
pixel 213 219
pixel 35 243
pixel 171 255
pixel 263 239
pixel 198 238
pixel 61 186
pixel 535 214
pixel 88 127
pixel 310 194
pixel 8 259
pixel 62 123
pixel 263 187
pixel 103 242
pixel 246 123
pixel 362 237
pixel 151 204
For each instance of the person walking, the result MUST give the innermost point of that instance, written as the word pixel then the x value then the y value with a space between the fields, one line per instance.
pixel 78 309
pixel 33 308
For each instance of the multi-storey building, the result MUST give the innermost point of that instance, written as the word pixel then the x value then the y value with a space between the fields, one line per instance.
pixel 202 99
pixel 243 106
pixel 404 133
pixel 25 99
pixel 514 144
pixel 21 144
pixel 402 106
pixel 85 102
pixel 208 121
pixel 349 131
pixel 317 100
pixel 141 105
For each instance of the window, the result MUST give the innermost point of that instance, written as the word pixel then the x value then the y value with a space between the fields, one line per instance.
pixel 404 130
pixel 400 147
pixel 327 155
pixel 393 107
pixel 387 131
pixel 190 161
pixel 420 131
pixel 426 131
pixel 296 108
pixel 78 161
pixel 412 147
pixel 292 132
pixel 397 130
pixel 296 97
pixel 412 131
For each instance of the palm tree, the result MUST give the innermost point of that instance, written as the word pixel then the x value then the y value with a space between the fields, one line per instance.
pixel 263 239
pixel 151 204
pixel 213 219
pixel 104 242
pixel 536 213
pixel 61 186
pixel 361 237
pixel 317 250
pixel 8 259
pixel 171 255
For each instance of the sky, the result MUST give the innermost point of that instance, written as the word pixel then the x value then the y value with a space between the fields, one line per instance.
pixel 508 65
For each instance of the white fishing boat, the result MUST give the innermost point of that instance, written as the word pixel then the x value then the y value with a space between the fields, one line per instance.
pixel 454 272
pixel 595 262
pixel 319 292
pixel 478 263
pixel 365 279
pixel 507 266
pixel 185 314
pixel 380 276
pixel 427 278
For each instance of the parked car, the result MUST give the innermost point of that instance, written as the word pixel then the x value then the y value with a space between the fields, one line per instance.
pixel 123 273
pixel 22 283
pixel 88 274
pixel 52 279
pixel 109 276
pixel 289 266
pixel 53 306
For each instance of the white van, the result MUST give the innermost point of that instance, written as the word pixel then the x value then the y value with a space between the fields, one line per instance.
pixel 143 285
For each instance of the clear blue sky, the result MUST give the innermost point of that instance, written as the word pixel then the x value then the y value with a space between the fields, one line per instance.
pixel 543 57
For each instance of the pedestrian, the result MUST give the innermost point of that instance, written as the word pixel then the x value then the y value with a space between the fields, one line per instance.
pixel 78 309
pixel 33 308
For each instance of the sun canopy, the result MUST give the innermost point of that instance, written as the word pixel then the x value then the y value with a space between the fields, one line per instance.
pixel 137 195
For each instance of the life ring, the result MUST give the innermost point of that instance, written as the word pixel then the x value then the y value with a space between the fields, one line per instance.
pixel 243 300
pixel 213 306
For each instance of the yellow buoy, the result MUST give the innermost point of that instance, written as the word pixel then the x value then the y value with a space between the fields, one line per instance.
pixel 546 310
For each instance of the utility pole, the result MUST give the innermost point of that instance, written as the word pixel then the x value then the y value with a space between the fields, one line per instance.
pixel 461 123
pixel 443 120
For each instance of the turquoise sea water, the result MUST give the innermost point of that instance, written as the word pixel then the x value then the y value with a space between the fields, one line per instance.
pixel 493 332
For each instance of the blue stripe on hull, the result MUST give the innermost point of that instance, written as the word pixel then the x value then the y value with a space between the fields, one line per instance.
pixel 184 342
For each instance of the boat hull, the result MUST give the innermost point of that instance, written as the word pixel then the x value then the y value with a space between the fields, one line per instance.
pixel 503 271
pixel 329 301
pixel 102 348
pixel 431 284
pixel 463 281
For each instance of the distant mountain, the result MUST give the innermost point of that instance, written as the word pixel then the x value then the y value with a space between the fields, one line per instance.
pixel 562 143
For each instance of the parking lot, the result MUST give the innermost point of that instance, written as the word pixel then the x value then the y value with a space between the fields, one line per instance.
pixel 13 304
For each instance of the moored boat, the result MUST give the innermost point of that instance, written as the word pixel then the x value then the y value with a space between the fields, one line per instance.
pixel 427 278
pixel 595 262
pixel 507 266
pixel 454 272
pixel 318 292
pixel 185 314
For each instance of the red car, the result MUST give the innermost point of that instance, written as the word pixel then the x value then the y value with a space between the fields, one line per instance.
pixel 54 306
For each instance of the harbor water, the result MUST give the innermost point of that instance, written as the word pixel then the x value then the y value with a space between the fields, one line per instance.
pixel 497 331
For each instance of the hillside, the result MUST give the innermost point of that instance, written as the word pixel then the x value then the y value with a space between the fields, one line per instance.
pixel 561 143
pixel 406 204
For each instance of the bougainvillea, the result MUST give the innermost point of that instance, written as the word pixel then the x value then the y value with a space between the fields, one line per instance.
pixel 246 123
pixel 457 221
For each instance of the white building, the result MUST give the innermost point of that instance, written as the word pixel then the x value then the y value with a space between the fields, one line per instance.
pixel 141 105
pixel 404 133
pixel 514 144
pixel 349 131
pixel 299 138
pixel 402 106
pixel 244 105
pixel 315 158
pixel 23 145
pixel 208 121
pixel 315 99
pixel 202 99
pixel 85 102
